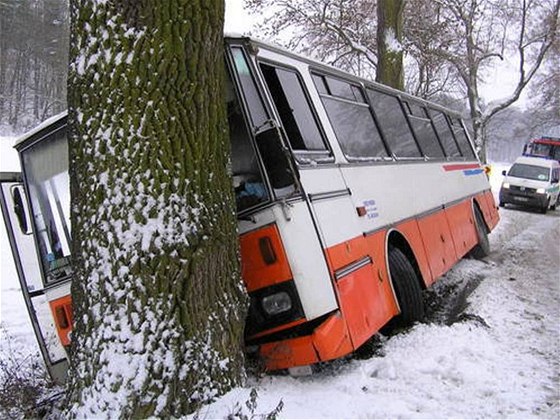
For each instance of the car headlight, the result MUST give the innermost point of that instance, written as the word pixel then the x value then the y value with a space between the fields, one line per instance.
pixel 276 303
pixel 541 191
pixel 505 185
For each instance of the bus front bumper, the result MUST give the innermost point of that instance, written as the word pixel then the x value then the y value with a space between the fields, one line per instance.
pixel 330 340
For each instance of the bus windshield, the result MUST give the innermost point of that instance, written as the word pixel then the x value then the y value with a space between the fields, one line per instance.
pixel 46 170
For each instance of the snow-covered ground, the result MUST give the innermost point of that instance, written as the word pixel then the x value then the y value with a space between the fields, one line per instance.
pixel 489 349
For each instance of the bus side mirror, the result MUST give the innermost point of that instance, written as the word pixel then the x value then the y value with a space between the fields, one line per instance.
pixel 504 173
pixel 20 209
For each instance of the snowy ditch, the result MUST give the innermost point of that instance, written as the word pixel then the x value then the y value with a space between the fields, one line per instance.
pixel 489 347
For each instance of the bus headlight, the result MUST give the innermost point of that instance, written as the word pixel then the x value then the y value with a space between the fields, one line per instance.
pixel 276 303
pixel 541 191
pixel 505 185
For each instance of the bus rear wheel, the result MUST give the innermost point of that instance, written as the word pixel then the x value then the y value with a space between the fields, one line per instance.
pixel 407 288
pixel 482 249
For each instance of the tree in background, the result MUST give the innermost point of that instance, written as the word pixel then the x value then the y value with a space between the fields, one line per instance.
pixel 428 75
pixel 158 299
pixel 449 45
pixel 346 34
pixel 33 61
pixel 390 65
pixel 544 94
pixel 341 33
pixel 478 32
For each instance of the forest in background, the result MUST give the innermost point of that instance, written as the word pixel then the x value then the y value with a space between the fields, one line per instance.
pixel 33 73
pixel 34 61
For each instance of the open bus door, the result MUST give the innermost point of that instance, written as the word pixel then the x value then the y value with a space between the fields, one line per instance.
pixel 20 234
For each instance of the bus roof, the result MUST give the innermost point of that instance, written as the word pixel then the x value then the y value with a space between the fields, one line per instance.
pixel 338 72
pixel 35 133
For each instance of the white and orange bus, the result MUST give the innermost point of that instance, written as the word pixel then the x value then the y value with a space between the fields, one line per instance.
pixel 351 199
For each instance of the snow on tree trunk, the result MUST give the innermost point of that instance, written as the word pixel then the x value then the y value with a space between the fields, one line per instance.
pixel 158 300
pixel 389 40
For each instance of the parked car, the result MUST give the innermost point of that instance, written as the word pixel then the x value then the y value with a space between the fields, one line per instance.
pixel 532 182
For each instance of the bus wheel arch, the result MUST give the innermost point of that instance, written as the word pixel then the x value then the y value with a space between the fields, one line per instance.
pixel 406 280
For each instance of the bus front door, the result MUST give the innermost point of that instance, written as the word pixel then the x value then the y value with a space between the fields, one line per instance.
pixel 27 265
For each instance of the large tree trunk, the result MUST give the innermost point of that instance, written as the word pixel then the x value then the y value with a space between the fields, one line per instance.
pixel 389 41
pixel 158 300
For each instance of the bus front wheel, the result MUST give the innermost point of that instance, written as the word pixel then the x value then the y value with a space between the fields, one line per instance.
pixel 407 288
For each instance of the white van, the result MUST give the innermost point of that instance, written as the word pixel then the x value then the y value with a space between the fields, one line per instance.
pixel 532 182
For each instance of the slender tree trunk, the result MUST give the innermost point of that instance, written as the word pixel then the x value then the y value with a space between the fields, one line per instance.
pixel 158 300
pixel 390 69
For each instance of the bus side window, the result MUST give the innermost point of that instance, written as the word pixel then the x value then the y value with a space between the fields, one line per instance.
pixel 461 137
pixel 351 118
pixel 257 110
pixel 393 124
pixel 444 133
pixel 295 112
pixel 264 129
pixel 250 188
pixel 424 131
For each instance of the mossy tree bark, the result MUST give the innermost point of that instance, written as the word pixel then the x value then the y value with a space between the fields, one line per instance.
pixel 158 300
pixel 390 68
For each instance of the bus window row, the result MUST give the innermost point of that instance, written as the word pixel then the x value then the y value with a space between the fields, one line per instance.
pixel 368 123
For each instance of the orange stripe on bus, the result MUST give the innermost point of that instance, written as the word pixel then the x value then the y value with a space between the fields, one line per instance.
pixel 288 353
pixel 462 227
pixel 329 341
pixel 347 252
pixel 438 243
pixel 411 231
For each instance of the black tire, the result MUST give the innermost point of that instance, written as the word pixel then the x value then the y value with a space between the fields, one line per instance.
pixel 502 204
pixel 482 249
pixel 407 288
pixel 545 208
